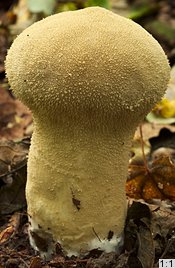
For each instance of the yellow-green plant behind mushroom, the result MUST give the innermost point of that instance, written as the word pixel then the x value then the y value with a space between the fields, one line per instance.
pixel 89 78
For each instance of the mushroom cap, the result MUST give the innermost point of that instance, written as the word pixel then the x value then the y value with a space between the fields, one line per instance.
pixel 87 60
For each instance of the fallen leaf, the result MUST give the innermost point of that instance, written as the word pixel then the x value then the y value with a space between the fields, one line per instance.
pixel 153 176
pixel 157 119
pixel 138 236
pixel 14 117
pixel 158 182
pixel 13 160
pixel 6 234
pixel 11 229
pixel 36 262
pixel 3 48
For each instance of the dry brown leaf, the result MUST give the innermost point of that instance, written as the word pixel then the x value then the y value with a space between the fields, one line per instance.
pixel 157 182
pixel 6 234
pixel 3 48
pixel 36 262
pixel 13 160
pixel 11 229
pixel 14 117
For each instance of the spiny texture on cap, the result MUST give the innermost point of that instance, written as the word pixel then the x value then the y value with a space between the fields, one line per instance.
pixel 89 77
pixel 91 57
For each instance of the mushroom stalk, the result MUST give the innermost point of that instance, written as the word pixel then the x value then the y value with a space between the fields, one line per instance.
pixel 89 78
pixel 84 179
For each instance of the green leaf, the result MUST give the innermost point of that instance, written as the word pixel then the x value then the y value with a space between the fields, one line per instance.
pixel 140 12
pixel 152 118
pixel 66 7
pixel 101 3
pixel 37 6
pixel 161 28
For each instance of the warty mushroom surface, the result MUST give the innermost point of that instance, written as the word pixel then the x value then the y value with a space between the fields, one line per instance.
pixel 89 78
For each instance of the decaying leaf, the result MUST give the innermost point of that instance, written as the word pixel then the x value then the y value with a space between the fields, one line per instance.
pixel 11 229
pixel 138 236
pixel 13 159
pixel 36 262
pixel 156 178
pixel 3 48
pixel 159 182
pixel 14 117
pixel 149 232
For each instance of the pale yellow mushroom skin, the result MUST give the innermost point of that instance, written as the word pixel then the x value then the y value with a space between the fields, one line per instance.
pixel 89 78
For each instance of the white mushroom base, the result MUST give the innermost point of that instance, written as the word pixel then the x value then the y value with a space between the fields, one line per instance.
pixel 45 245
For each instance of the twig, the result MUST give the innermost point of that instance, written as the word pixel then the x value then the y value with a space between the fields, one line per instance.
pixel 21 259
pixel 96 234
pixel 143 151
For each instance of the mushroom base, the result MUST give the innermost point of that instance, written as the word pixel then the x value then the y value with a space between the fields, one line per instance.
pixel 44 243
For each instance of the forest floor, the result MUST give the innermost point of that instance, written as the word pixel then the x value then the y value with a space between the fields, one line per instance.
pixel 149 233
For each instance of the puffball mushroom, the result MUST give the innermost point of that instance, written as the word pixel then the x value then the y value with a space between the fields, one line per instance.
pixel 89 78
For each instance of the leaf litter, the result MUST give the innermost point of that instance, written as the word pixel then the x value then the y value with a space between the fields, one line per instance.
pixel 156 177
pixel 15 118
pixel 149 229
pixel 13 160
pixel 150 225
pixel 148 236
